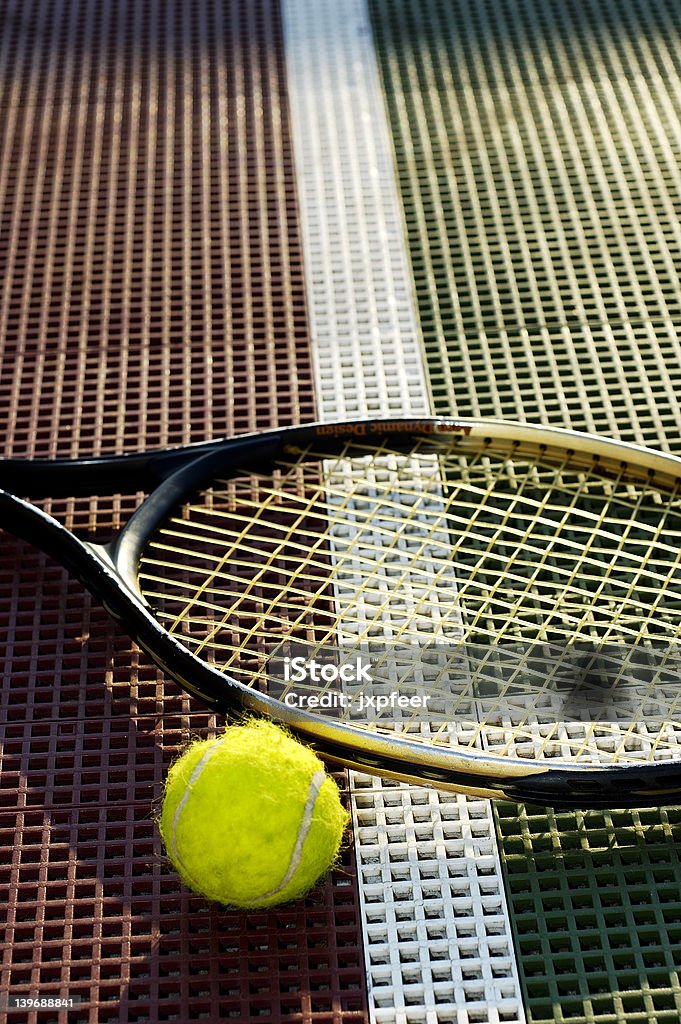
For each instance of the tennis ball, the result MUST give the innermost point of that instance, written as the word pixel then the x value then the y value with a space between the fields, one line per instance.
pixel 251 819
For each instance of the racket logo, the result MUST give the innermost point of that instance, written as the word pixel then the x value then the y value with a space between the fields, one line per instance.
pixel 341 430
pixel 407 428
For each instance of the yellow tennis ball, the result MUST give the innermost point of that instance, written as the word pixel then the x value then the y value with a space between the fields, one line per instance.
pixel 251 819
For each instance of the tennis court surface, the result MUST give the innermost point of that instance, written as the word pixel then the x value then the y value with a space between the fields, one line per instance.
pixel 218 217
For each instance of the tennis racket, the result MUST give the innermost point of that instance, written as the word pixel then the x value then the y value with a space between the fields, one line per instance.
pixel 515 592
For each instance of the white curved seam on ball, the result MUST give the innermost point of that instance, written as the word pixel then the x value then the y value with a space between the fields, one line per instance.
pixel 193 779
pixel 316 784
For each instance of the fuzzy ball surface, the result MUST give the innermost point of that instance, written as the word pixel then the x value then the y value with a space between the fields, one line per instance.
pixel 251 819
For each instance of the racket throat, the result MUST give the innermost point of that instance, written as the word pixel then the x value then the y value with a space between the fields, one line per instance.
pixel 108 557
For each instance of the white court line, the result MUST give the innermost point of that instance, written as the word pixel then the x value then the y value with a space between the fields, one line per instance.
pixel 437 935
